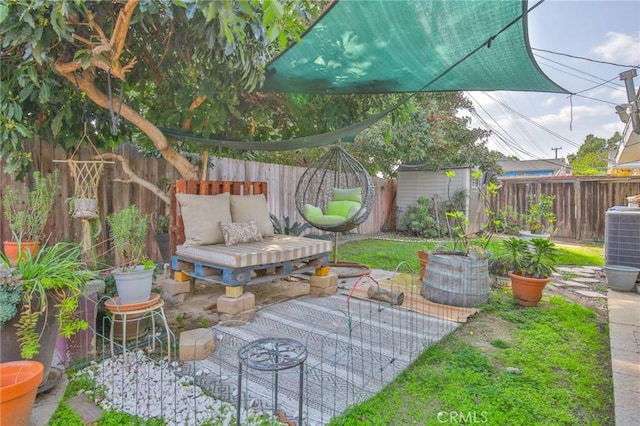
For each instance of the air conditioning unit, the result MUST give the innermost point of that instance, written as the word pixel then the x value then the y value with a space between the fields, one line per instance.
pixel 622 236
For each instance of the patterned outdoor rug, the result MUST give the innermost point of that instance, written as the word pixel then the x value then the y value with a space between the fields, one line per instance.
pixel 355 348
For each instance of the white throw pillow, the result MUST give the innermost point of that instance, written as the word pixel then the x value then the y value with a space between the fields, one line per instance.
pixel 247 207
pixel 202 215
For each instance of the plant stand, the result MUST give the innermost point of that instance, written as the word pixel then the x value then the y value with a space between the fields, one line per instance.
pixel 152 309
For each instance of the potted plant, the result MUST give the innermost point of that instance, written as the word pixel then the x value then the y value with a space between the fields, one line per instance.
pixel 162 237
pixel 459 277
pixel 539 217
pixel 531 264
pixel 134 276
pixel 27 214
pixel 38 298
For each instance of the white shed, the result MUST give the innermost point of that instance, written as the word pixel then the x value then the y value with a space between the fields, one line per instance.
pixel 417 181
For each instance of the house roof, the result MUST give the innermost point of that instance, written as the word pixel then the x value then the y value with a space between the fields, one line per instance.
pixel 550 164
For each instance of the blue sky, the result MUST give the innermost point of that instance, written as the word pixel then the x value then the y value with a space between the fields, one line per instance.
pixel 600 30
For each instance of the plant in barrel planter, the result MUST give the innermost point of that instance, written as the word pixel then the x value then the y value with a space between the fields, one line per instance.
pixel 134 276
pixel 27 214
pixel 38 299
pixel 459 277
pixel 532 263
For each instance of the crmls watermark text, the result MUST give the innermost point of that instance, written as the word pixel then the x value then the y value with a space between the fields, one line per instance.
pixel 458 417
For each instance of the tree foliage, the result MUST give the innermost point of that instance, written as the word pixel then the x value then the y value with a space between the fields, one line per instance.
pixel 592 156
pixel 195 65
pixel 176 63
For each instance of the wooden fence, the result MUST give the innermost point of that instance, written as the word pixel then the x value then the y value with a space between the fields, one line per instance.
pixel 115 193
pixel 580 204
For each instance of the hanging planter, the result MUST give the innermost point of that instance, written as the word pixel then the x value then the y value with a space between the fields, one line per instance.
pixel 85 208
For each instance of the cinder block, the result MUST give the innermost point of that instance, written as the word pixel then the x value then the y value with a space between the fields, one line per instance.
pixel 328 281
pixel 235 306
pixel 233 291
pixel 180 276
pixel 196 344
pixel 246 316
pixel 322 292
pixel 173 288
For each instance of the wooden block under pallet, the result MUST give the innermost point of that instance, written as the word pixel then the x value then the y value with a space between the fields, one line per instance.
pixel 180 276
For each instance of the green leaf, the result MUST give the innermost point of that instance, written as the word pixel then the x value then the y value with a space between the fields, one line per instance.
pixel 45 93
pixel 26 92
pixel 4 12
pixel 85 61
pixel 56 124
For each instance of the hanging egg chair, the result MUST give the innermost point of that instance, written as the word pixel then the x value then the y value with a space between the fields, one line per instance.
pixel 335 194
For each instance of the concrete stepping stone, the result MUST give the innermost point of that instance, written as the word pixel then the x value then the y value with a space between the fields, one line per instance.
pixel 592 294
pixel 589 272
pixel 593 268
pixel 575 284
pixel 567 269
pixel 586 280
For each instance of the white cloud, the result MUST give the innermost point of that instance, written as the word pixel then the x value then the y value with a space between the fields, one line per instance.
pixel 620 47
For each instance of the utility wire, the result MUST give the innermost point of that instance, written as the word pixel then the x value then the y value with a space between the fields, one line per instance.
pixel 600 81
pixel 586 59
pixel 551 132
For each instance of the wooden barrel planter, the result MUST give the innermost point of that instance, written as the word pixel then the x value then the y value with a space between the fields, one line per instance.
pixel 455 279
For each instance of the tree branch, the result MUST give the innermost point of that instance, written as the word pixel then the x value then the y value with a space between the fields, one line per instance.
pixel 133 178
pixel 85 82
pixel 119 35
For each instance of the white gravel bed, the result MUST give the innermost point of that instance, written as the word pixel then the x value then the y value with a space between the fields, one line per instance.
pixel 145 389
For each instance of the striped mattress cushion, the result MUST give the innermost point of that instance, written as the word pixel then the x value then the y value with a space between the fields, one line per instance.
pixel 276 249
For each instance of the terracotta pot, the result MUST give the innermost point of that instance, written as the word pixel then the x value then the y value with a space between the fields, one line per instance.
pixel 19 381
pixel 11 249
pixel 423 256
pixel 527 291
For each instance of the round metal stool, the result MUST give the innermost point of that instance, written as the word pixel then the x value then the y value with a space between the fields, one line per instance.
pixel 272 354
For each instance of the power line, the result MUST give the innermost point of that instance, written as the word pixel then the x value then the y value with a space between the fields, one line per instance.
pixel 551 132
pixel 586 59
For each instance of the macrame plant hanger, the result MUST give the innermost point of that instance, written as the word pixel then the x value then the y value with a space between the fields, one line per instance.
pixel 86 176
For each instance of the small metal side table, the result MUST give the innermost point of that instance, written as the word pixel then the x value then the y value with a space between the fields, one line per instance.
pixel 155 308
pixel 272 354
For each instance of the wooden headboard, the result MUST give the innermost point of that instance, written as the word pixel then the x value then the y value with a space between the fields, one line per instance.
pixel 204 187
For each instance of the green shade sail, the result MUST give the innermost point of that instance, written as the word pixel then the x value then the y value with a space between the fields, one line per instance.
pixel 385 46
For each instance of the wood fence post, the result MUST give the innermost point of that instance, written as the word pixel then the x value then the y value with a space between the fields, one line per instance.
pixel 577 197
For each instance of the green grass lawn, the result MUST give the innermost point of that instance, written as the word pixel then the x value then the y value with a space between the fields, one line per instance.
pixel 507 366
pixel 387 255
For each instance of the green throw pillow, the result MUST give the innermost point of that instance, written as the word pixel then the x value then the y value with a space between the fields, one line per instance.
pixel 310 211
pixel 348 194
pixel 345 209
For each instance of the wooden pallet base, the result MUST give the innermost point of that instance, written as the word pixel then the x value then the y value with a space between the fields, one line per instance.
pixel 248 275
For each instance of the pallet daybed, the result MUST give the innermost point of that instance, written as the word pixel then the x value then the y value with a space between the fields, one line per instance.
pixel 246 263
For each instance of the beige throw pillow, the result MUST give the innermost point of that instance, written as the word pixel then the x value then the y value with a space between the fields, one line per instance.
pixel 202 215
pixel 247 207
